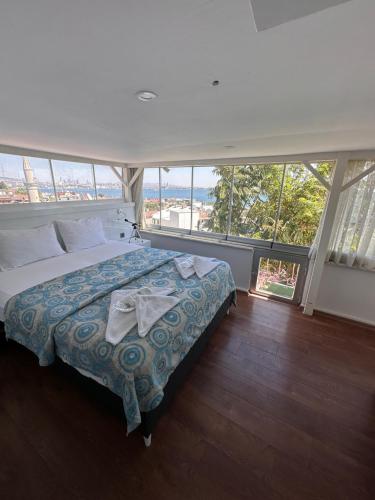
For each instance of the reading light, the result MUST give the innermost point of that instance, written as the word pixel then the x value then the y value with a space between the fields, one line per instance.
pixel 146 95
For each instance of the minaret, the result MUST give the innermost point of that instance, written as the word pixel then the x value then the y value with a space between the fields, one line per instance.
pixel 30 184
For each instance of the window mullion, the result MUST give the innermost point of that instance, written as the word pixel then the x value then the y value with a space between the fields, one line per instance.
pixel 279 205
pixel 160 197
pixel 191 199
pixel 229 223
pixel 94 180
pixel 53 178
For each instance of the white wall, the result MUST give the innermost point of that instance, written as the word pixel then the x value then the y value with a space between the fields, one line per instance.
pixel 238 257
pixel 343 292
pixel 347 292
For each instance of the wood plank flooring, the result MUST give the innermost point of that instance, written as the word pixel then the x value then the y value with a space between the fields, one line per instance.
pixel 279 406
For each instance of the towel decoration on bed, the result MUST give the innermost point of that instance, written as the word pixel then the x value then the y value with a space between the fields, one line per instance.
pixel 143 306
pixel 193 264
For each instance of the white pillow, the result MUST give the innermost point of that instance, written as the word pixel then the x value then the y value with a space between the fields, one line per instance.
pixel 82 233
pixel 22 246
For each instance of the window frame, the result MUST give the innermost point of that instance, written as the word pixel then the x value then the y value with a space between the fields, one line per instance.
pixel 270 244
pixel 285 256
pixel 51 167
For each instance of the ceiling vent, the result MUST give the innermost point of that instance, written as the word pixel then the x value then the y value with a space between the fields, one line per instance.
pixel 270 13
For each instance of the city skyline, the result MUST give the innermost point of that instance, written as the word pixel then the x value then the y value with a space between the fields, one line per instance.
pixel 11 166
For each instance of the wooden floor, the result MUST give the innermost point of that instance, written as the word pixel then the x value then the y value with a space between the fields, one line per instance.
pixel 279 406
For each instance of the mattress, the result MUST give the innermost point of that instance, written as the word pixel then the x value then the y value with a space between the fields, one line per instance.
pixel 17 280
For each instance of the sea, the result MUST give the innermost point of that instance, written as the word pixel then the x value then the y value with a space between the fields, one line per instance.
pixel 200 194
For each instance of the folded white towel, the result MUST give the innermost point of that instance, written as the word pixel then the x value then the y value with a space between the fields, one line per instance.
pixel 187 266
pixel 142 306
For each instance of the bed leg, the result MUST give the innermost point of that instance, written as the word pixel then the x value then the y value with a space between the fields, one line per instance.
pixel 147 440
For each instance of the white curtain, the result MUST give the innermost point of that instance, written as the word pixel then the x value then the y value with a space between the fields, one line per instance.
pixel 353 235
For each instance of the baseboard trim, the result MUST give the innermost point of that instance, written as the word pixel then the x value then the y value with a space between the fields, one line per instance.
pixel 346 316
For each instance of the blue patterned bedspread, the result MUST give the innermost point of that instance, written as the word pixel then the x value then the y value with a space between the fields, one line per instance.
pixel 67 317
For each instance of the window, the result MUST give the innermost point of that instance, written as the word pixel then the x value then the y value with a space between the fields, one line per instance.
pixel 211 194
pixel 256 193
pixel 280 274
pixel 176 198
pixel 187 198
pixel 272 203
pixel 25 180
pixel 353 235
pixel 108 185
pixel 36 180
pixel 151 197
pixel 74 181
pixel 277 277
pixel 302 202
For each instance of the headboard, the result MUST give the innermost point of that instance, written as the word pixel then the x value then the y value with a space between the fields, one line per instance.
pixel 29 215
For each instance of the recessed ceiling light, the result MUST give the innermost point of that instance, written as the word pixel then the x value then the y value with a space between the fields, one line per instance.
pixel 146 95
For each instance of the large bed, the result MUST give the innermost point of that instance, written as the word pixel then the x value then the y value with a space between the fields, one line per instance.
pixel 58 308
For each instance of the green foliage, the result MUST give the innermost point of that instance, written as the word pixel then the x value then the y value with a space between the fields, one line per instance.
pixel 3 185
pixel 256 192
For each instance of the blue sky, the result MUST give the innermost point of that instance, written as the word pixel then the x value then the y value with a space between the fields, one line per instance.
pixel 11 166
pixel 203 176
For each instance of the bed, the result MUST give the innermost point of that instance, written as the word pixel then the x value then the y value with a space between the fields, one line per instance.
pixel 58 308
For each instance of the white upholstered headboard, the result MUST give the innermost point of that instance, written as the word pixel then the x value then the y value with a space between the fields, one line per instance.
pixel 29 215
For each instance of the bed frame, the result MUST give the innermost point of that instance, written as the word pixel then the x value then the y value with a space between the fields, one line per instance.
pixel 149 419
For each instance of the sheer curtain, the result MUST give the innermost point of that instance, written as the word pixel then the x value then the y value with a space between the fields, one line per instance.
pixel 353 234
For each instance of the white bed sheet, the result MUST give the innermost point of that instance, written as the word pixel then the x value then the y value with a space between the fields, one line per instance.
pixel 20 279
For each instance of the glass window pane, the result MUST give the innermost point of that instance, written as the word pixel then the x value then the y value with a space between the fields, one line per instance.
pixel 277 277
pixel 302 204
pixel 24 180
pixel 74 181
pixel 107 184
pixel 176 198
pixel 256 191
pixel 151 199
pixel 42 176
pixel 211 192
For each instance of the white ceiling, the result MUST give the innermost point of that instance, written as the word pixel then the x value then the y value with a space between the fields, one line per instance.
pixel 69 70
pixel 270 13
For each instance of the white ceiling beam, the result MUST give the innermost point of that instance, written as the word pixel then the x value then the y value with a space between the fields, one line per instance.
pixel 119 177
pixel 318 176
pixel 293 158
pixel 358 177
pixel 244 160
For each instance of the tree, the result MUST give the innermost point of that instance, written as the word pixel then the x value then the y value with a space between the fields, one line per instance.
pixel 256 193
pixel 3 185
